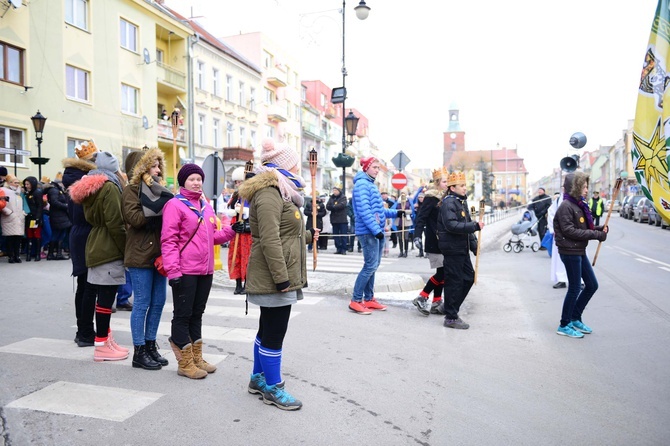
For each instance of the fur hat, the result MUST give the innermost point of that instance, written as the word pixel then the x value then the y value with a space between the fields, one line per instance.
pixel 107 161
pixel 455 178
pixel 86 150
pixel 238 174
pixel 186 171
pixel 131 161
pixel 367 162
pixel 280 154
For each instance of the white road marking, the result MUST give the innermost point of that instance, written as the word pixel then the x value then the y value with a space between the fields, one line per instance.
pixel 85 400
pixel 209 332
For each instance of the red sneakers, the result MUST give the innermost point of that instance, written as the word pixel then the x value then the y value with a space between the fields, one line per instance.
pixel 358 307
pixel 372 304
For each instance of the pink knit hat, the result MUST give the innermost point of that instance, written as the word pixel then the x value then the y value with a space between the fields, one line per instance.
pixel 367 162
pixel 279 153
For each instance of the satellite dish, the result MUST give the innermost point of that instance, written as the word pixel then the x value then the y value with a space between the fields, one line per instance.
pixel 147 56
pixel 145 122
pixel 16 3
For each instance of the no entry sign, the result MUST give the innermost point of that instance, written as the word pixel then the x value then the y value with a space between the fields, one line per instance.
pixel 398 181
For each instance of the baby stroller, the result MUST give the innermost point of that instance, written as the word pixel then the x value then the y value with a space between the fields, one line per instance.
pixel 522 232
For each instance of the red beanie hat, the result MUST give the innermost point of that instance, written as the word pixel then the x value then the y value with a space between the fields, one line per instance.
pixel 367 162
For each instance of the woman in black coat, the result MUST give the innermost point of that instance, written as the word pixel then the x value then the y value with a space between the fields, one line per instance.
pixel 33 200
pixel 58 218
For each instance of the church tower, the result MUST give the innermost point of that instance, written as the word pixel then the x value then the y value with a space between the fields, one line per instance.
pixel 454 137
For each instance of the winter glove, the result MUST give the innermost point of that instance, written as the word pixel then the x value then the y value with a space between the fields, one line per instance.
pixel 238 227
pixel 380 236
pixel 175 283
pixel 417 243
pixel 401 212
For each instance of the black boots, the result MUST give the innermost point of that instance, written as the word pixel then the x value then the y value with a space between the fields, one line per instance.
pixel 152 351
pixel 239 288
pixel 52 251
pixel 141 359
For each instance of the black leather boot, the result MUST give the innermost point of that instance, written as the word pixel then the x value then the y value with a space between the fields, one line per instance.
pixel 152 351
pixel 238 286
pixel 142 360
pixel 51 255
pixel 29 246
pixel 59 252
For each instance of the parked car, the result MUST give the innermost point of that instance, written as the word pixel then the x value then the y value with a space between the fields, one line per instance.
pixel 629 207
pixel 614 204
pixel 625 201
pixel 656 219
pixel 641 210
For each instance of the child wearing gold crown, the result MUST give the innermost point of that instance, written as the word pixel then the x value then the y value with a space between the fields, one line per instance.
pixel 455 233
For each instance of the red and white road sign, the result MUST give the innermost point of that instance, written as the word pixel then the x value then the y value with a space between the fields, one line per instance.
pixel 398 181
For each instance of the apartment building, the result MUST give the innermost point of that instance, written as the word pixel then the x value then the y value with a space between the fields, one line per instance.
pixel 96 70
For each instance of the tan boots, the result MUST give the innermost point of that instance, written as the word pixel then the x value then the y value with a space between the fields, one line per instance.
pixel 197 358
pixel 191 363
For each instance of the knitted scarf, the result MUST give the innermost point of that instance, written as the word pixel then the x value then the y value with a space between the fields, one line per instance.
pixel 290 185
pixel 583 205
pixel 153 197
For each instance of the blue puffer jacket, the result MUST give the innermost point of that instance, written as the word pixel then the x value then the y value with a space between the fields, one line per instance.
pixel 368 206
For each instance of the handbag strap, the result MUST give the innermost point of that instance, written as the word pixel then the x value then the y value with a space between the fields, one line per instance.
pixel 200 215
pixel 189 240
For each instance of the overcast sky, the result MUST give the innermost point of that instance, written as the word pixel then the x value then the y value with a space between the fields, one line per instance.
pixel 524 73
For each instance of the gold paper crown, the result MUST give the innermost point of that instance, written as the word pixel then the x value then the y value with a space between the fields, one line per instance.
pixel 440 173
pixel 455 178
pixel 86 149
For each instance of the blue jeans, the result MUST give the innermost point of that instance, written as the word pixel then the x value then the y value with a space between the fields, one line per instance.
pixel 340 231
pixel 123 292
pixel 372 255
pixel 149 289
pixel 578 268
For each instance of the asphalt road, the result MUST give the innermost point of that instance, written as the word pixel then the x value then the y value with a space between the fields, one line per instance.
pixel 392 378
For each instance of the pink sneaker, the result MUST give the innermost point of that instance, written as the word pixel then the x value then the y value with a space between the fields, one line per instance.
pixel 372 304
pixel 105 352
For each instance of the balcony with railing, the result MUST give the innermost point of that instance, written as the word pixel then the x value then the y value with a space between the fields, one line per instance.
pixel 277 112
pixel 169 76
pixel 164 130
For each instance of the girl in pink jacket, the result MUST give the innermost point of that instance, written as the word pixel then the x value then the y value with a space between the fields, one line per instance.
pixel 187 244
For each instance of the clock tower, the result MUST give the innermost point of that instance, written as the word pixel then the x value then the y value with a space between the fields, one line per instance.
pixel 454 137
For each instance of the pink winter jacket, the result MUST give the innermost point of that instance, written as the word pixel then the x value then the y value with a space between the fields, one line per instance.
pixel 179 223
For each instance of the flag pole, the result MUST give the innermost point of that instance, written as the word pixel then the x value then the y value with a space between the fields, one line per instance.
pixel 482 209
pixel 248 168
pixel 312 171
pixel 617 186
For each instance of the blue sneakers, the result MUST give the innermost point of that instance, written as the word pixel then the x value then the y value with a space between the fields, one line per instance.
pixel 581 326
pixel 257 384
pixel 281 398
pixel 569 332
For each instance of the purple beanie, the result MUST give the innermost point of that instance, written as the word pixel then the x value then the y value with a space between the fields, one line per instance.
pixel 186 171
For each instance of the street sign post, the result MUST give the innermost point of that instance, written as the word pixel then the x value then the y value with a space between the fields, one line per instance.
pixel 400 160
pixel 399 181
pixel 14 151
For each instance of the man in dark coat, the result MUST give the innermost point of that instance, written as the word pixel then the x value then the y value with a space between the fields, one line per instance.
pixel 540 205
pixel 58 218
pixel 337 205
pixel 320 213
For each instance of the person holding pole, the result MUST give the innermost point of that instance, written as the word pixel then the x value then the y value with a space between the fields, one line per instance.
pixel 238 257
pixel 573 228
pixel 455 234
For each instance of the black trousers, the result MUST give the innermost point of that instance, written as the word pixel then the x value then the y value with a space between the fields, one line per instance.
pixel 542 226
pixel 189 300
pixel 84 307
pixel 272 326
pixel 103 308
pixel 458 279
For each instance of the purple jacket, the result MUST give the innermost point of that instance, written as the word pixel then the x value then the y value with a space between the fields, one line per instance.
pixel 179 223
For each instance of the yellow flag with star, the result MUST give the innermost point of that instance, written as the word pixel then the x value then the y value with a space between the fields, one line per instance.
pixel 652 115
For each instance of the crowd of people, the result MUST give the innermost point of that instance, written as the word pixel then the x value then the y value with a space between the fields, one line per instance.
pixel 129 231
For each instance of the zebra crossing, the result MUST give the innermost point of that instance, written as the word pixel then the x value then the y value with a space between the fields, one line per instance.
pixel 328 261
pixel 224 321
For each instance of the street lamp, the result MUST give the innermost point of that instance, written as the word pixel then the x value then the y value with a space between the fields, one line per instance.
pixel 339 96
pixel 38 123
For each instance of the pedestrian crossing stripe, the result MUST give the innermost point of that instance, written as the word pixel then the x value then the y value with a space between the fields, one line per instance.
pixel 345 264
pixel 209 332
pixel 64 349
pixel 77 399
pixel 310 299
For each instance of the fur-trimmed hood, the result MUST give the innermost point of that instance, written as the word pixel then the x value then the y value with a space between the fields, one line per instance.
pixel 258 182
pixel 433 192
pixel 75 169
pixel 140 171
pixel 88 186
pixel 574 183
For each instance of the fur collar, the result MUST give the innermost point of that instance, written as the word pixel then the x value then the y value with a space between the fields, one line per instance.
pixel 89 185
pixel 261 181
pixel 141 169
pixel 79 164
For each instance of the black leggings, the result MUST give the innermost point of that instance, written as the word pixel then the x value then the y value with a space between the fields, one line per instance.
pixel 272 326
pixel 103 308
pixel 84 307
pixel 189 301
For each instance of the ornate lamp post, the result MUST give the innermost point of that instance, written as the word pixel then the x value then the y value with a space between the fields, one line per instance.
pixel 339 96
pixel 38 123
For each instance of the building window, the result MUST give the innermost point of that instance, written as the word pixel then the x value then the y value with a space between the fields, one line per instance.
pixel 76 13
pixel 269 96
pixel 229 134
pixel 252 99
pixel 71 144
pixel 243 137
pixel 253 138
pixel 242 98
pixel 159 56
pixel 216 124
pixel 229 88
pixel 303 93
pixel 267 59
pixel 324 100
pixel 296 111
pixel 297 79
pixel 201 129
pixel 11 139
pixel 269 131
pixel 76 83
pixel 216 82
pixel 129 99
pixel 288 109
pixel 128 36
pixel 200 74
pixel 11 63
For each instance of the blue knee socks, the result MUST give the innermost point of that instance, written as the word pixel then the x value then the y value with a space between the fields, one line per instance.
pixel 271 364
